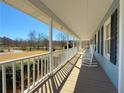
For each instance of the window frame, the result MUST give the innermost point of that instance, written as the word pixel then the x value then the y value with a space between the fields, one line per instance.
pixel 107 39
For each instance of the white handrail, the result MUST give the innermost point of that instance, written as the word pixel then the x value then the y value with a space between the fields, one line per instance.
pixel 22 58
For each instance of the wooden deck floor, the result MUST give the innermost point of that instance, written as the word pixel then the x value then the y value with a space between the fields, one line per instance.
pixel 87 80
pixel 75 78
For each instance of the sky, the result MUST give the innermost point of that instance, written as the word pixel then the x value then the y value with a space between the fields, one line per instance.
pixel 15 24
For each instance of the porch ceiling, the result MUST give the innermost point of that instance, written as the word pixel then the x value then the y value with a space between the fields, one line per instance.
pixel 82 16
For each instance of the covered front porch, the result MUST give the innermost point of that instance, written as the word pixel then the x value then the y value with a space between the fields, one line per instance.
pixel 93 25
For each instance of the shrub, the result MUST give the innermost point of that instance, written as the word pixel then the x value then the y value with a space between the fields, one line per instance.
pixel 54 49
pixel 69 46
pixel 1 50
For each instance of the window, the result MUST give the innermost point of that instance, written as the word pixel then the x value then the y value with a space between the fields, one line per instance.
pixel 114 37
pixel 95 41
pixel 102 40
pixel 99 41
pixel 107 27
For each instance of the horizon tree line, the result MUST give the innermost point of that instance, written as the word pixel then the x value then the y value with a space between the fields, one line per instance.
pixel 34 41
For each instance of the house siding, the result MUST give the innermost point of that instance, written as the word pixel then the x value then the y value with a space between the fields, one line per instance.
pixel 110 69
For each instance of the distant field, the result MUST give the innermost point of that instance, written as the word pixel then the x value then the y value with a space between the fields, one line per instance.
pixel 10 56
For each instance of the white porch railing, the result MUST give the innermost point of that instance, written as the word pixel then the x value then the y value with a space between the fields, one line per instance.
pixel 23 74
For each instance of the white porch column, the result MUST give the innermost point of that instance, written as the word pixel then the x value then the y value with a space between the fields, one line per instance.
pixel 121 48
pixel 50 45
pixel 77 44
pixel 67 46
pixel 80 44
pixel 73 42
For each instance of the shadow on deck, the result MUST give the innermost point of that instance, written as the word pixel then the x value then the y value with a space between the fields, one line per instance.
pixel 93 80
pixel 75 78
pixel 55 82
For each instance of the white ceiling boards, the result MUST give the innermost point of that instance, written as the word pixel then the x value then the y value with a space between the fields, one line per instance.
pixel 81 16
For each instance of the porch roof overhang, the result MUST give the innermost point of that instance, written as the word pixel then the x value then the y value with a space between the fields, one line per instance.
pixel 79 18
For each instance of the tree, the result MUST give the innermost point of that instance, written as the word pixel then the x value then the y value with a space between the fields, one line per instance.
pixel 32 39
pixel 45 42
pixel 62 39
pixel 17 42
pixel 39 39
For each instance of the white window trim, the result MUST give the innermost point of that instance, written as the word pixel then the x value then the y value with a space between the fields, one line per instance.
pixel 97 42
pixel 108 21
pixel 100 42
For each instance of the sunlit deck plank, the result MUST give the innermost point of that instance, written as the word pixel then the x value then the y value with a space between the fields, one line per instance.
pixel 70 84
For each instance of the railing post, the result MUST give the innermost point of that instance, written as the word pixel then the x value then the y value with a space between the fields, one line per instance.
pixel 28 74
pixel 34 72
pixel 44 66
pixel 14 77
pixel 41 67
pixel 38 69
pixel 47 64
pixel 77 45
pixel 22 78
pixel 50 45
pixel 4 78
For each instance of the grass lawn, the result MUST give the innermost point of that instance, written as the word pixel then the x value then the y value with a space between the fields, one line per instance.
pixel 10 56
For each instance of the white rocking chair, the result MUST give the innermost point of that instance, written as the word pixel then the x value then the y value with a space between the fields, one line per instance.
pixel 88 57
